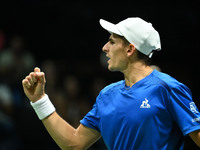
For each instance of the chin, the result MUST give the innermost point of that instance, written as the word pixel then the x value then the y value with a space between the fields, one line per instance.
pixel 112 69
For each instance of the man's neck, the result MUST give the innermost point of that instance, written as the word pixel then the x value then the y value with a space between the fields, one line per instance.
pixel 135 72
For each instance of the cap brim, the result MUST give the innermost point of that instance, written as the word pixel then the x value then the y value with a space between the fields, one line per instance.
pixel 110 27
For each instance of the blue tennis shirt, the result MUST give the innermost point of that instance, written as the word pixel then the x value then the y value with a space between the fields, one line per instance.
pixel 155 113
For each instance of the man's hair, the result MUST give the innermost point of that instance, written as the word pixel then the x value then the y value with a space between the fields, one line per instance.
pixel 140 55
pixel 144 58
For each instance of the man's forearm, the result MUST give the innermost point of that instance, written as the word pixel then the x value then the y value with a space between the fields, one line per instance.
pixel 62 133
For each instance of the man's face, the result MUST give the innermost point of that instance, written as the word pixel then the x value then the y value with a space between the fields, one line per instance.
pixel 116 51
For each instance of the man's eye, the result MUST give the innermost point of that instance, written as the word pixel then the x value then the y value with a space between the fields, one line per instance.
pixel 111 42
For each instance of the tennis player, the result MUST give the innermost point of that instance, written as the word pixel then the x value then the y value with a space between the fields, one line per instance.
pixel 146 110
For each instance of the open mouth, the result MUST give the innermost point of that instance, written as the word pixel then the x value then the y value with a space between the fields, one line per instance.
pixel 107 58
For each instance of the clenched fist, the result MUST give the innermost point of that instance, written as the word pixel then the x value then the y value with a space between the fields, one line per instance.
pixel 34 85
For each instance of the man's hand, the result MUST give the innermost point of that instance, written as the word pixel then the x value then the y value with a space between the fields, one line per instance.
pixel 34 85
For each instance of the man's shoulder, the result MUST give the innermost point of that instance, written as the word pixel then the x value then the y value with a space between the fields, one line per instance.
pixel 165 80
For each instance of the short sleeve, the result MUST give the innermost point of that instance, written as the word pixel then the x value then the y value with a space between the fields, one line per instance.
pixel 91 119
pixel 183 109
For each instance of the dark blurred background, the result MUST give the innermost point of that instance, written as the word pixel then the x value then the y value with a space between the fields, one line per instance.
pixel 65 40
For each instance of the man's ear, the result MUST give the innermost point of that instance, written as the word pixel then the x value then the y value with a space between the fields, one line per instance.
pixel 131 50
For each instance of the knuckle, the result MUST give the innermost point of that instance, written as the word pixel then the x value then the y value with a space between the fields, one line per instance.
pixel 31 74
pixel 28 78
pixel 23 81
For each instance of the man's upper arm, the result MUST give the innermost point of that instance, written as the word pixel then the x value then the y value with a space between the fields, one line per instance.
pixel 87 136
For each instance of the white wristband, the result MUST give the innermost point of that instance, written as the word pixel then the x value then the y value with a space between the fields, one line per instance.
pixel 43 107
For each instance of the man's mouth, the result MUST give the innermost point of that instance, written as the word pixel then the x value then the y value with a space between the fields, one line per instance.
pixel 108 58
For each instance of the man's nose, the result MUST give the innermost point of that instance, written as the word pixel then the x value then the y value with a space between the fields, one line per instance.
pixel 105 47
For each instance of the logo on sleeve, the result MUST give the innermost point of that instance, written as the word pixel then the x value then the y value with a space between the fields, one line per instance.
pixel 145 104
pixel 194 108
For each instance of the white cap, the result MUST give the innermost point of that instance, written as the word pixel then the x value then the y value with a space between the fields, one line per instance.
pixel 138 32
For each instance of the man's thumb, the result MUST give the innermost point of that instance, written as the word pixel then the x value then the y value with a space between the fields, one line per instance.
pixel 40 75
pixel 36 69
